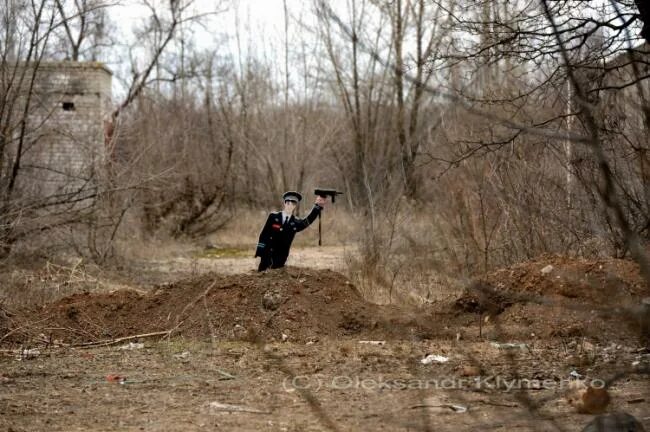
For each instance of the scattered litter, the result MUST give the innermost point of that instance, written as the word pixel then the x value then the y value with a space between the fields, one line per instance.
pixel 27 354
pixel 433 358
pixel 311 342
pixel 182 356
pixel 509 345
pixel 443 407
pixel 132 346
pixel 218 406
pixel 284 337
pixel 116 378
pixel 575 374
pixel 372 342
pixel 225 375
pixel 546 270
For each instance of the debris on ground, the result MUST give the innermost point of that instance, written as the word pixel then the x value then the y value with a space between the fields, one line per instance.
pixel 218 406
pixel 131 346
pixel 302 304
pixel 433 358
pixel 113 378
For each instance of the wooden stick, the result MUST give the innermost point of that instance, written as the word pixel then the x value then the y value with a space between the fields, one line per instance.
pixel 118 340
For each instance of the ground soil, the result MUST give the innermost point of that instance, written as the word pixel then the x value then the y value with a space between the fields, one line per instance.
pixel 299 349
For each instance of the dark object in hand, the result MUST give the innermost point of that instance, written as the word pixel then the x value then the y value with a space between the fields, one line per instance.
pixel 327 192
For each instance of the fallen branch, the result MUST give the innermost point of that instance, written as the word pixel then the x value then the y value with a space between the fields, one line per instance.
pixel 218 406
pixel 10 332
pixel 118 340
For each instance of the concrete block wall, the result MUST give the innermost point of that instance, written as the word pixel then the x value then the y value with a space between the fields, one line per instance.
pixel 66 147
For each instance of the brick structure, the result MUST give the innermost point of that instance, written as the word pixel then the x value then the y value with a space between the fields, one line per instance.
pixel 621 105
pixel 65 147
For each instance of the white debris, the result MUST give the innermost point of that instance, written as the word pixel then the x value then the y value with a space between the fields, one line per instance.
pixel 575 374
pixel 509 345
pixel 546 270
pixel 182 356
pixel 27 354
pixel 435 404
pixel 284 337
pixel 132 346
pixel 218 406
pixel 372 342
pixel 433 358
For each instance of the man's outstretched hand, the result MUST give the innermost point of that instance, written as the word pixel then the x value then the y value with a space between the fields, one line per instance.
pixel 321 201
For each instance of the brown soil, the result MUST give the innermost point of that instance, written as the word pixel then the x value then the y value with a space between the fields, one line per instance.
pixel 572 298
pixel 577 298
pixel 227 350
pixel 302 304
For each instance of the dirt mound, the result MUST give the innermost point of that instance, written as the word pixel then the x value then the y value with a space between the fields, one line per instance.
pixel 600 281
pixel 299 303
pixel 604 282
pixel 561 296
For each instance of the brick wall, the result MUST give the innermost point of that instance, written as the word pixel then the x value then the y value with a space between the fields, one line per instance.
pixel 64 148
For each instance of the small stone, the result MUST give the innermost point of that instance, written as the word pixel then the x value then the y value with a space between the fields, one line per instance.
pixel 271 300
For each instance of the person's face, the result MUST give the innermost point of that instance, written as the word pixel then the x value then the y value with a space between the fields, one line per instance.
pixel 290 206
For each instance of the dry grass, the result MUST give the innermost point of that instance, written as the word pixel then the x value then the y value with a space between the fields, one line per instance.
pixel 401 261
pixel 338 227
pixel 29 285
pixel 405 260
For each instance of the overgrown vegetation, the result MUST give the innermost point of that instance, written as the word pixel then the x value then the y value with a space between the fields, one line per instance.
pixel 466 135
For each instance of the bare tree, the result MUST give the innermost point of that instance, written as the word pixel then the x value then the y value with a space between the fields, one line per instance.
pixel 86 28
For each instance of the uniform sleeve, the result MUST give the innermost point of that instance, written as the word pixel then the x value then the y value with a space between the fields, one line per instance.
pixel 301 224
pixel 263 242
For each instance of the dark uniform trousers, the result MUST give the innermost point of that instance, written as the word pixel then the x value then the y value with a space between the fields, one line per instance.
pixel 276 237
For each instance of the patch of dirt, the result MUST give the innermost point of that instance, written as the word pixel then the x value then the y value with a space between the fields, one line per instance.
pixel 562 297
pixel 572 298
pixel 603 281
pixel 333 384
pixel 299 303
pixel 317 366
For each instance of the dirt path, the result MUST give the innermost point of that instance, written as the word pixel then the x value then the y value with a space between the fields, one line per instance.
pixel 320 258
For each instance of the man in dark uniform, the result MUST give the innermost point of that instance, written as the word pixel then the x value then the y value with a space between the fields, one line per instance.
pixel 280 228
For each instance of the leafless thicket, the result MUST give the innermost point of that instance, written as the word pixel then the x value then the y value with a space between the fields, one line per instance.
pixel 533 136
pixel 467 134
pixel 82 203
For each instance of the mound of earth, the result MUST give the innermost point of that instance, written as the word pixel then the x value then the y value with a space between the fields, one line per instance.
pixel 301 304
pixel 563 296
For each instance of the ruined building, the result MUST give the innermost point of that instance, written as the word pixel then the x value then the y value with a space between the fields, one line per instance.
pixel 64 148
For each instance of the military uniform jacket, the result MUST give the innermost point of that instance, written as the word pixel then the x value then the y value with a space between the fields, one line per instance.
pixel 276 237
